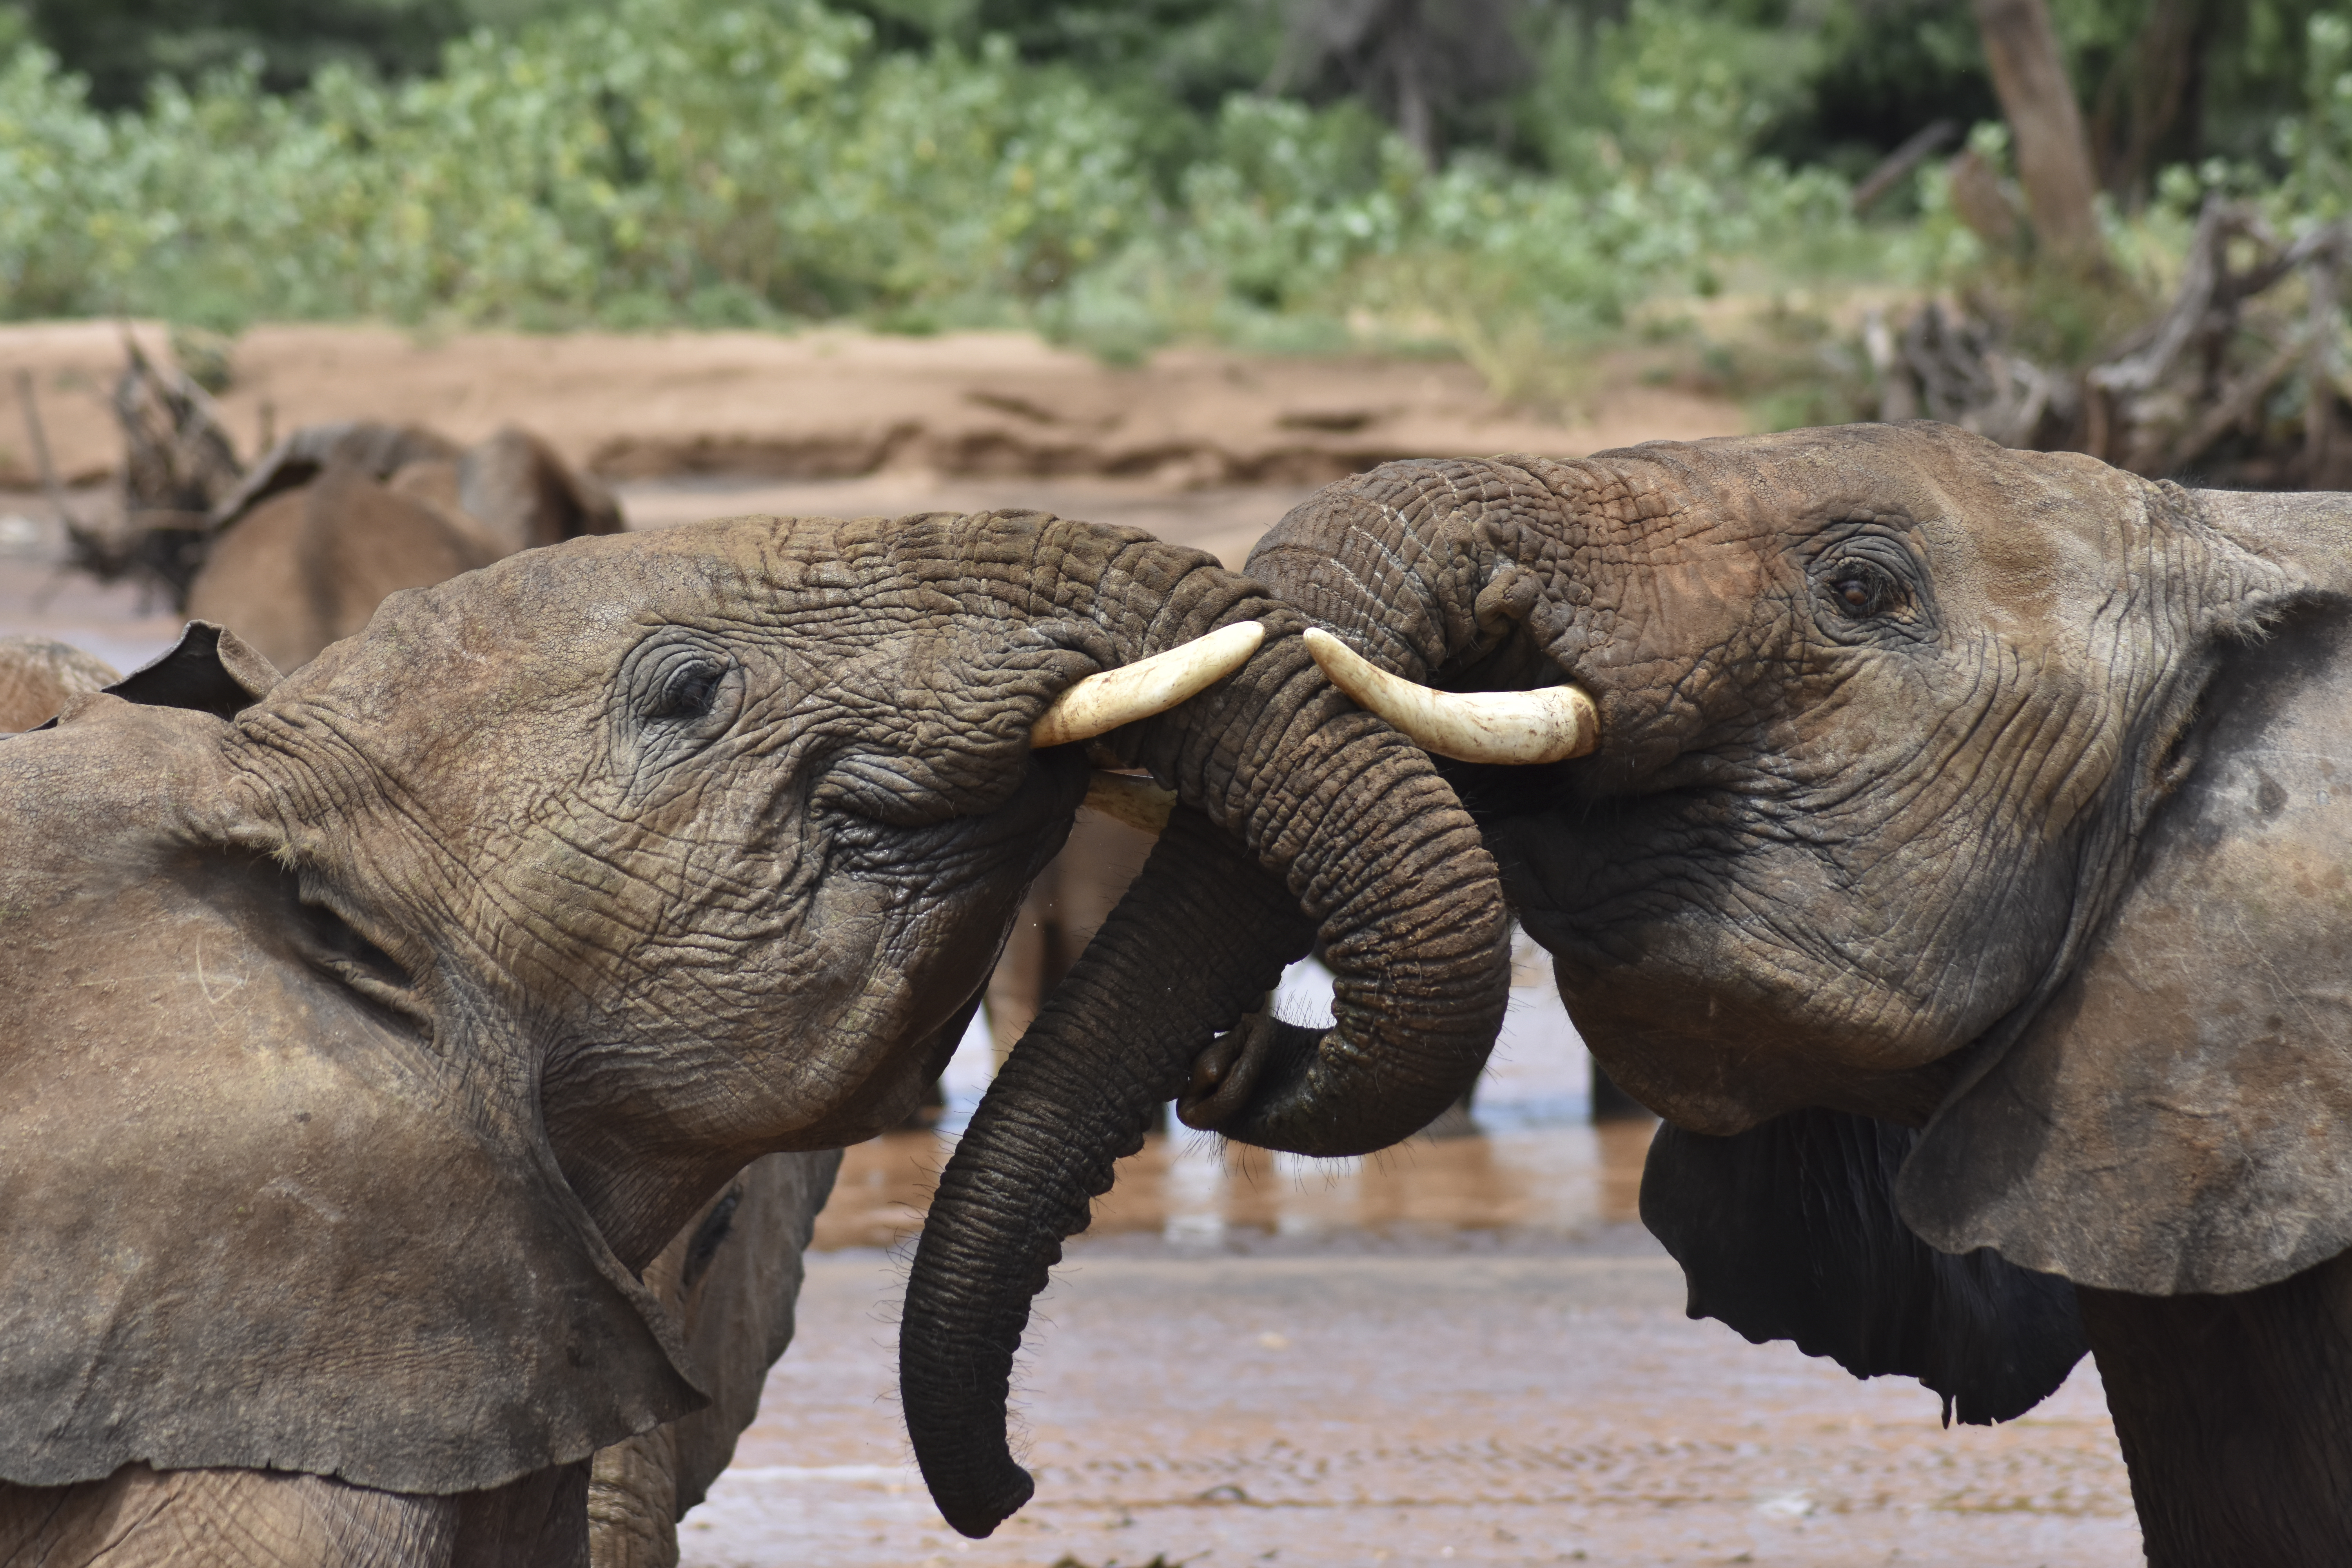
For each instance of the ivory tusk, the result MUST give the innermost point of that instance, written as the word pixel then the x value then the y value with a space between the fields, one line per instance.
pixel 1545 725
pixel 1101 703
pixel 1131 799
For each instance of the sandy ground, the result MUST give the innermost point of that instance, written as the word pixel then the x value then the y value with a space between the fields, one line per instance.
pixel 1463 1350
pixel 1416 1406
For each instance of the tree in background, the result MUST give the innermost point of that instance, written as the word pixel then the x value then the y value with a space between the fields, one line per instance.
pixel 2159 82
pixel 2053 158
pixel 2147 107
pixel 1419 64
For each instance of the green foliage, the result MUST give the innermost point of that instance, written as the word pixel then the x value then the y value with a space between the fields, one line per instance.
pixel 121 45
pixel 1669 82
pixel 741 162
pixel 701 160
pixel 2315 146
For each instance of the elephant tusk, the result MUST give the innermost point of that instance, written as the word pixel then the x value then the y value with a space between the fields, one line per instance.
pixel 1545 725
pixel 1131 799
pixel 1101 703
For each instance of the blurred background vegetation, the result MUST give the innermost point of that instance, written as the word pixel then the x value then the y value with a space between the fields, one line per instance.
pixel 1529 184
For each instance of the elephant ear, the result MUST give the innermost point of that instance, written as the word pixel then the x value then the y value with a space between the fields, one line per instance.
pixel 210 670
pixel 261 1205
pixel 1788 1231
pixel 2178 1117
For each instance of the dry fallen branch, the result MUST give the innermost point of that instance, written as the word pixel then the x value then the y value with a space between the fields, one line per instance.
pixel 2229 377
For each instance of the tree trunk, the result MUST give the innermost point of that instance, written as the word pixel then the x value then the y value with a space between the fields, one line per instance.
pixel 2054 159
pixel 2149 106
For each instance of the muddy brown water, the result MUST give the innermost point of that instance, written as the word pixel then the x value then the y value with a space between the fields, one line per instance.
pixel 1464 1351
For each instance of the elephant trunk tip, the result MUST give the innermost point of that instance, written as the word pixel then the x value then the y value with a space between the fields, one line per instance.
pixel 976 1509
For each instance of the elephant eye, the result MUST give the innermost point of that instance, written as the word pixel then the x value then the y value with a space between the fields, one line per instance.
pixel 688 690
pixel 1862 588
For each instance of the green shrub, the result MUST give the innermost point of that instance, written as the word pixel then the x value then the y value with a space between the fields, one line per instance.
pixel 651 156
pixel 647 163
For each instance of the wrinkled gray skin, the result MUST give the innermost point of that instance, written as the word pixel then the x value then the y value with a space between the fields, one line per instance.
pixel 730 1276
pixel 336 517
pixel 1991 794
pixel 375 1027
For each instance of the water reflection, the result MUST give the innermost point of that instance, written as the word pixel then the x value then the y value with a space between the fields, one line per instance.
pixel 1536 1165
pixel 1191 1190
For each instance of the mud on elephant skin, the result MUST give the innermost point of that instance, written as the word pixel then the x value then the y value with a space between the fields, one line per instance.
pixel 1960 812
pixel 377 1025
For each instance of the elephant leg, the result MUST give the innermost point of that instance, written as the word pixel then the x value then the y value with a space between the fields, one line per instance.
pixel 229 1519
pixel 2235 1416
pixel 633 1503
pixel 539 1521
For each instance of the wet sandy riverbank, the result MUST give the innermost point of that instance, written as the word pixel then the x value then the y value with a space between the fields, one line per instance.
pixel 1433 1357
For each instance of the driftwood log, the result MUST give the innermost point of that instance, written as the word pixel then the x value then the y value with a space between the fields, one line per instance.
pixel 2240 382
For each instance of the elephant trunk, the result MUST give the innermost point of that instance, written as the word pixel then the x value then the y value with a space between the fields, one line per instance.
pixel 1112 1044
pixel 1300 811
pixel 1352 817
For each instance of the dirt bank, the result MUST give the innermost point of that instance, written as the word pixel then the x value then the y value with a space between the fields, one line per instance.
pixel 833 404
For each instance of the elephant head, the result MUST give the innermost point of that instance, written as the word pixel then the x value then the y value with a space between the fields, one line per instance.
pixel 368 1030
pixel 1955 811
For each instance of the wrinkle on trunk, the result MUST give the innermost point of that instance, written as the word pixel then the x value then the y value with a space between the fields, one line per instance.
pixel 1342 825
pixel 1069 1103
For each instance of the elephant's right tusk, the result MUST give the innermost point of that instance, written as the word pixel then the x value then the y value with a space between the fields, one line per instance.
pixel 1101 703
pixel 1545 725
pixel 1132 799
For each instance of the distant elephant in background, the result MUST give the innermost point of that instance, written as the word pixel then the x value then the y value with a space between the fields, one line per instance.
pixel 1953 848
pixel 369 1031
pixel 39 674
pixel 336 517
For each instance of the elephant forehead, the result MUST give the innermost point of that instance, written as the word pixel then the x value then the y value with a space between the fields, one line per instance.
pixel 2012 537
pixel 539 629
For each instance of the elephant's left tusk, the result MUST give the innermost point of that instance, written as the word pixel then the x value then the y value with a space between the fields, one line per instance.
pixel 1101 703
pixel 1132 799
pixel 1545 725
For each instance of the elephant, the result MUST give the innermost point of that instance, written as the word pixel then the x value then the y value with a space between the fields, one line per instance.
pixel 335 517
pixel 730 1278
pixel 370 1030
pixel 38 675
pixel 1946 842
